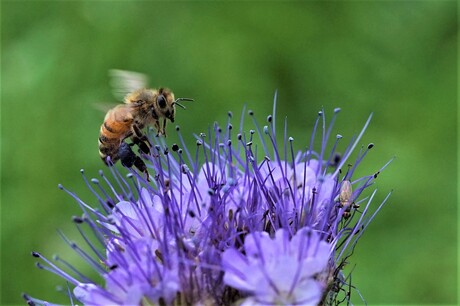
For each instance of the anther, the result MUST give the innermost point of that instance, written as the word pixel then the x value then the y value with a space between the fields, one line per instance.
pixel 370 146
pixel 251 113
pixel 77 219
pixel 336 110
pixel 175 147
pixel 185 169
pixel 230 115
pixel 269 118
pixel 177 128
pixel 113 267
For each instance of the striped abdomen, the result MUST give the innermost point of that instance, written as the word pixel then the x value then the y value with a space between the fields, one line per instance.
pixel 116 127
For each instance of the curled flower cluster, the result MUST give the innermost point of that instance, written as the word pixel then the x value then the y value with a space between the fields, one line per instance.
pixel 242 220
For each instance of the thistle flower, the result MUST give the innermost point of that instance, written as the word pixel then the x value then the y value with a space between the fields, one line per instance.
pixel 222 225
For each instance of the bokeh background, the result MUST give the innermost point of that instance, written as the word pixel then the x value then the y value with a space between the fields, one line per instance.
pixel 397 59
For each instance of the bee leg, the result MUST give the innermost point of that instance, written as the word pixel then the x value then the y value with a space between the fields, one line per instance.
pixel 140 165
pixel 139 134
pixel 141 144
pixel 128 158
pixel 157 127
pixel 164 127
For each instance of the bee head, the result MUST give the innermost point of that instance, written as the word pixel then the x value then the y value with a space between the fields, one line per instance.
pixel 165 102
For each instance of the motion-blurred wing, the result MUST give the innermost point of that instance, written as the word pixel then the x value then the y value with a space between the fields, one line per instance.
pixel 103 106
pixel 124 82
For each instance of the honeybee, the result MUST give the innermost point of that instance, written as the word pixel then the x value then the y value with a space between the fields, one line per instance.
pixel 142 107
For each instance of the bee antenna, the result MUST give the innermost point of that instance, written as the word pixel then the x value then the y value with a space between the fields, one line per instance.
pixel 178 104
pixel 181 99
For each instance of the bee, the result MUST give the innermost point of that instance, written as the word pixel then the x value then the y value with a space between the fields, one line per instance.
pixel 142 107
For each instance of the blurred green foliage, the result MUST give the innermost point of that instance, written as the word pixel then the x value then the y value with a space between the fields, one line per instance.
pixel 396 59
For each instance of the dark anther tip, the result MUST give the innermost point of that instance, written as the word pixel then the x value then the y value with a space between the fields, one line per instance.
pixel 270 118
pixel 77 219
pixel 251 113
pixel 177 128
pixel 370 146
pixel 175 147
pixel 36 254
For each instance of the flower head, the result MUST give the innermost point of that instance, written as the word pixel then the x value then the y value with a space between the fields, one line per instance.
pixel 256 222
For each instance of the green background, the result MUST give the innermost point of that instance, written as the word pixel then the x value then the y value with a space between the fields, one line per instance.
pixel 397 59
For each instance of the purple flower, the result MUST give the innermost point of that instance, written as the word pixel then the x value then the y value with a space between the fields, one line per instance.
pixel 256 222
pixel 279 270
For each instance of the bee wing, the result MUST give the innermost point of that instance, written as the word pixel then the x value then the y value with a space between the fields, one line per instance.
pixel 103 106
pixel 124 82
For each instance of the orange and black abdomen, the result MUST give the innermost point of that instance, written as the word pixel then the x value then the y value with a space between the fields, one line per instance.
pixel 116 127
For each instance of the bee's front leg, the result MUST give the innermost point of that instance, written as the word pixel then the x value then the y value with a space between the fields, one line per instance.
pixel 164 127
pixel 156 124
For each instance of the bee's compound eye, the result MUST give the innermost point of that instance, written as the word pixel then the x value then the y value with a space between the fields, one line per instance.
pixel 161 101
